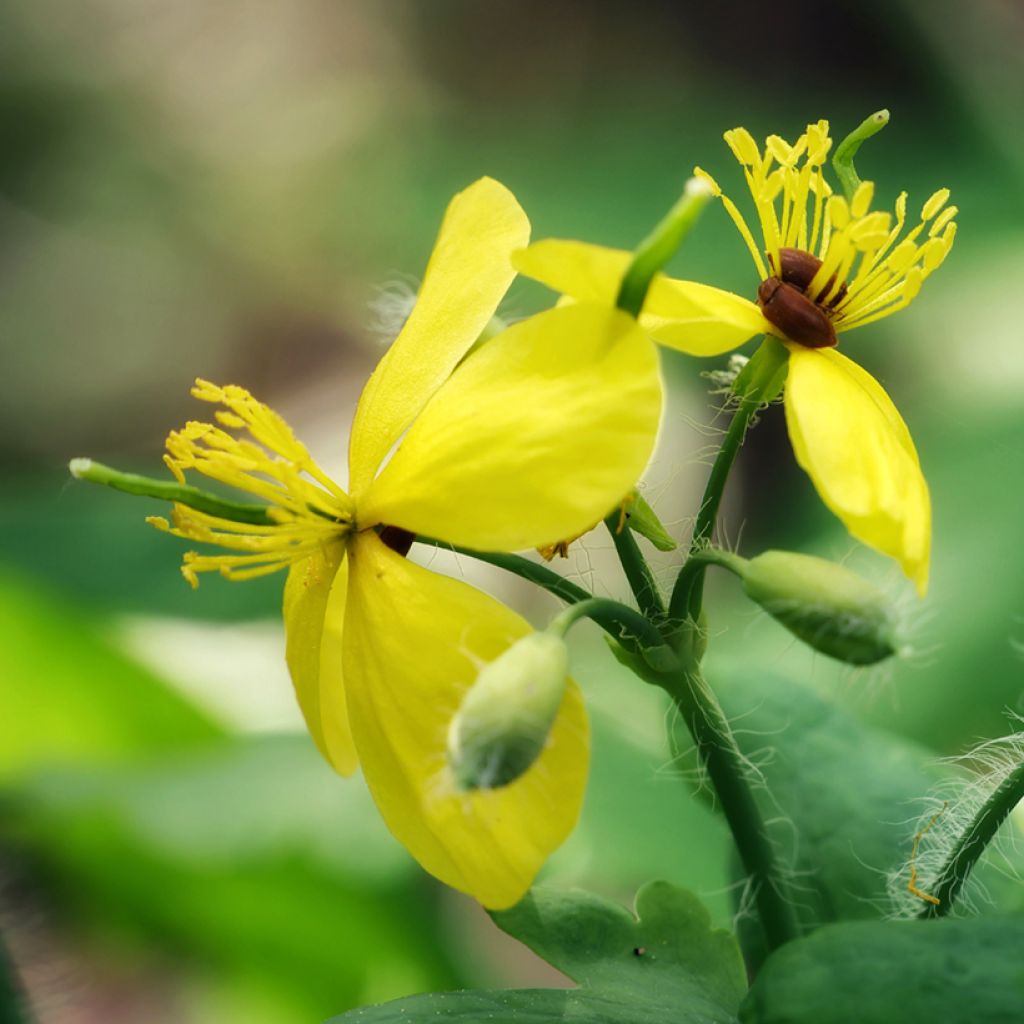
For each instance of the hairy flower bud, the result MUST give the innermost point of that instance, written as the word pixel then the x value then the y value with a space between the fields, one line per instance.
pixel 830 608
pixel 505 717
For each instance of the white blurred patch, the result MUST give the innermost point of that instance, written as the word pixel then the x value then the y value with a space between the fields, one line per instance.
pixel 235 672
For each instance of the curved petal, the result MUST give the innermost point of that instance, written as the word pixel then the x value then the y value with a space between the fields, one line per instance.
pixel 413 643
pixel 469 271
pixel 534 439
pixel 691 317
pixel 698 319
pixel 589 273
pixel 855 447
pixel 314 612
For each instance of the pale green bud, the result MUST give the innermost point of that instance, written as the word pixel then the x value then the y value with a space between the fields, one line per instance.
pixel 830 608
pixel 504 720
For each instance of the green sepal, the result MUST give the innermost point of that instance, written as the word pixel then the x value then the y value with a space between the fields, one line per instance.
pixel 916 972
pixel 651 664
pixel 765 373
pixel 642 519
pixel 663 965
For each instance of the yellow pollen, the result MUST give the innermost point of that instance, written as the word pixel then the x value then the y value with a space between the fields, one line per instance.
pixel 306 509
pixel 882 265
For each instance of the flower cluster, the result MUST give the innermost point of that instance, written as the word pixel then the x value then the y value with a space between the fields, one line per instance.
pixel 472 740
pixel 826 265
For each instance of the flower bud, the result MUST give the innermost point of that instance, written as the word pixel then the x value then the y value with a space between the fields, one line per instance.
pixel 830 608
pixel 504 720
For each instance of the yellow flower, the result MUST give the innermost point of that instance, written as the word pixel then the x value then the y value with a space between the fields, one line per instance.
pixel 827 266
pixel 526 440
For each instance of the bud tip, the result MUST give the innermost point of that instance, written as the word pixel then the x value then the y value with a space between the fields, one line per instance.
pixel 697 187
pixel 79 467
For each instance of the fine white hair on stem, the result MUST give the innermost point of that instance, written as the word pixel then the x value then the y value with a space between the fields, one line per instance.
pixel 947 814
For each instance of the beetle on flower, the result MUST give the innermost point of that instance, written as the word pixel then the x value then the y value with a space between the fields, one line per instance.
pixel 827 265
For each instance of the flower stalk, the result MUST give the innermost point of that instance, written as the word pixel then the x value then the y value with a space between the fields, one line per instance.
pixel 726 769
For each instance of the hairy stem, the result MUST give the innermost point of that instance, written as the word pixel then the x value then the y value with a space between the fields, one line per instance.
pixel 688 592
pixel 727 771
pixel 616 619
pixel 544 577
pixel 638 572
pixel 972 843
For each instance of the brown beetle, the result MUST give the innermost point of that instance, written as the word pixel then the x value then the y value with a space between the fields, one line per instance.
pixel 799 268
pixel 786 304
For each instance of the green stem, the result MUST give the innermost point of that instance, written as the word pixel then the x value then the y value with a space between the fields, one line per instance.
pixel 168 490
pixel 724 559
pixel 727 772
pixel 660 245
pixel 562 588
pixel 973 841
pixel 615 618
pixel 638 572
pixel 842 159
pixel 688 592
pixel 13 1009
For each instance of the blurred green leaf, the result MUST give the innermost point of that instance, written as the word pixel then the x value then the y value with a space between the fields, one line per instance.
pixel 70 696
pixel 663 965
pixel 252 858
pixel 843 798
pixel 94 545
pixel 916 972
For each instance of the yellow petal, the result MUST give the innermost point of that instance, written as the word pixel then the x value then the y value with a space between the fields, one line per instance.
pixel 851 440
pixel 698 319
pixel 694 318
pixel 413 643
pixel 533 439
pixel 469 271
pixel 589 273
pixel 314 613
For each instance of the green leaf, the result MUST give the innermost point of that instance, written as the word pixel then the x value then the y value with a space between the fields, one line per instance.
pixel 664 966
pixel 844 799
pixel 71 697
pixel 916 972
pixel 247 862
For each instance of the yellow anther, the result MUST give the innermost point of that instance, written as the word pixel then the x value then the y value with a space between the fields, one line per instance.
pixel 818 143
pixel 861 201
pixel 942 220
pixel 912 284
pixel 838 212
pixel 742 143
pixel 935 203
pixel 781 150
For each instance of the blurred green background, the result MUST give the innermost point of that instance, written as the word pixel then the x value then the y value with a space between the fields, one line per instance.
pixel 228 189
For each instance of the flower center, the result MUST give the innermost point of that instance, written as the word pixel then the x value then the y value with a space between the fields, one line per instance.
pixel 787 303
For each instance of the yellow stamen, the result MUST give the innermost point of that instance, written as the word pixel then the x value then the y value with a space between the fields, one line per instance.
pixel 307 509
pixel 861 251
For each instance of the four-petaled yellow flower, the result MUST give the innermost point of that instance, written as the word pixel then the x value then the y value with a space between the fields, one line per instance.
pixel 528 439
pixel 827 266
